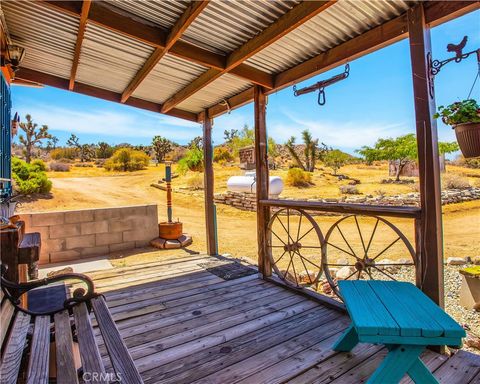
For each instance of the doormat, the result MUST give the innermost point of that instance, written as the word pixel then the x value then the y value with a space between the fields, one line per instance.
pixel 47 299
pixel 228 270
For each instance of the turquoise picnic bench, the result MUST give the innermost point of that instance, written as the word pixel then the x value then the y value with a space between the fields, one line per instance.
pixel 404 319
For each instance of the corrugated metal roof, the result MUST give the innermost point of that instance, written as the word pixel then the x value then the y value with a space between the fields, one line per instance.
pixel 160 13
pixel 225 25
pixel 337 24
pixel 169 76
pixel 48 36
pixel 109 60
pixel 222 88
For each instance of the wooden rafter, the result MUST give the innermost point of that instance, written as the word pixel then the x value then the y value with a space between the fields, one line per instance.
pixel 173 36
pixel 85 89
pixel 436 12
pixel 285 24
pixel 78 46
pixel 157 38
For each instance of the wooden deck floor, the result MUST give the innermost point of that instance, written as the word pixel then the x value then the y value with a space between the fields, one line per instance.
pixel 183 324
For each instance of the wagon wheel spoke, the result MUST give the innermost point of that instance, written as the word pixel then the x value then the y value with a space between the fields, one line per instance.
pixel 388 247
pixel 294 271
pixel 299 226
pixel 359 274
pixel 280 258
pixel 371 236
pixel 336 265
pixel 288 266
pixel 348 277
pixel 305 234
pixel 343 250
pixel 311 247
pixel 369 273
pixel 385 273
pixel 360 233
pixel 348 244
pixel 305 266
pixel 395 264
pixel 278 237
pixel 286 230
pixel 309 261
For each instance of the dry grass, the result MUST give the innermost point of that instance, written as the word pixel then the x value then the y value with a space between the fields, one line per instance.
pixel 94 187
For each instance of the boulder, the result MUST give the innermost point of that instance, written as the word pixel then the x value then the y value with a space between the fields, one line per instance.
pixel 472 341
pixel 456 261
pixel 344 272
pixel 476 260
pixel 306 277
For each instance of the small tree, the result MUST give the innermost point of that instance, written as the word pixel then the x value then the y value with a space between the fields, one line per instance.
pixel 336 159
pixel 311 153
pixel 104 150
pixel 230 135
pixel 161 146
pixel 52 143
pixel 402 150
pixel 196 143
pixel 33 136
pixel 85 151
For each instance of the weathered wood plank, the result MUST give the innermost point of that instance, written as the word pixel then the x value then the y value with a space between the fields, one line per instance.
pixel 7 311
pixel 39 352
pixel 213 359
pixel 91 360
pixel 119 356
pixel 12 356
pixel 209 183
pixel 459 369
pixel 66 372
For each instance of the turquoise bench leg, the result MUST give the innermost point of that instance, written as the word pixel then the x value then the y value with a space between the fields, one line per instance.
pixel 400 360
pixel 347 341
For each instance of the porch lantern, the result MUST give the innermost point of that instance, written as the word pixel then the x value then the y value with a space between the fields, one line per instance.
pixel 16 55
pixel 15 122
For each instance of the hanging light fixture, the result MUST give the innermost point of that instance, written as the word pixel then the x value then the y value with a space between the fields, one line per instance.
pixel 16 55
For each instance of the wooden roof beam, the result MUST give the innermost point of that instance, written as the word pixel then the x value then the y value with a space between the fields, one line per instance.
pixel 78 45
pixel 85 89
pixel 436 12
pixel 173 36
pixel 156 37
pixel 285 24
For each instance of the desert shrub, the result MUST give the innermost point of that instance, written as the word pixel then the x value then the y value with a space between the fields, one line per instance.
pixel 415 187
pixel 30 178
pixel 100 162
pixel 63 153
pixel 222 155
pixel 126 159
pixel 195 182
pixel 176 154
pixel 473 162
pixel 192 161
pixel 57 166
pixel 349 189
pixel 477 183
pixel 83 165
pixel 380 192
pixel 450 181
pixel 297 177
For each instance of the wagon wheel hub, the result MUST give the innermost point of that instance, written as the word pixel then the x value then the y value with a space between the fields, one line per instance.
pixel 292 247
pixel 360 265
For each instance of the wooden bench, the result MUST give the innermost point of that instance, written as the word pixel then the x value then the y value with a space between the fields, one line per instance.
pixel 403 318
pixel 25 337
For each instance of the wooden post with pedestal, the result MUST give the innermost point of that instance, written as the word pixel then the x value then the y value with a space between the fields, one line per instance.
pixel 430 227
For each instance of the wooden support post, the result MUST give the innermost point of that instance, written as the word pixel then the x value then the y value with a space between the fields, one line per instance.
pixel 262 178
pixel 431 254
pixel 210 219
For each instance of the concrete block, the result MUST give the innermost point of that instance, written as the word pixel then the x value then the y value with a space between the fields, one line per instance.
pixel 66 230
pixel 27 218
pixel 79 216
pixel 108 238
pixel 121 225
pixel 85 241
pixel 140 210
pixel 142 243
pixel 140 234
pixel 95 251
pixel 44 232
pixel 44 258
pixel 64 256
pixel 152 211
pixel 48 218
pixel 94 227
pixel 107 214
pixel 469 291
pixel 121 246
pixel 158 243
pixel 53 245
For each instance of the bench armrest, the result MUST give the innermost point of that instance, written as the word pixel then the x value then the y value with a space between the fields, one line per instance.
pixel 13 291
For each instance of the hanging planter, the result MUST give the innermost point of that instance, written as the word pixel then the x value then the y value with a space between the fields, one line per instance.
pixel 464 117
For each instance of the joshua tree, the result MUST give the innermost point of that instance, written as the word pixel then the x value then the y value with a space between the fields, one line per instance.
pixel 312 151
pixel 85 151
pixel 161 146
pixel 33 136
pixel 104 150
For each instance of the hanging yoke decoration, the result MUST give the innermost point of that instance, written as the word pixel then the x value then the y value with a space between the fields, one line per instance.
pixel 435 66
pixel 321 86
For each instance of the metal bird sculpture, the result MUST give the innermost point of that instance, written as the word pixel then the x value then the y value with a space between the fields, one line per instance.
pixel 458 48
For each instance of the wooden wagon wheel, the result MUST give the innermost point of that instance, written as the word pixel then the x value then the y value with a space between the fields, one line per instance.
pixel 294 246
pixel 354 251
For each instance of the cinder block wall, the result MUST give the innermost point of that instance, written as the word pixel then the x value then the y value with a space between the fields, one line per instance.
pixel 74 235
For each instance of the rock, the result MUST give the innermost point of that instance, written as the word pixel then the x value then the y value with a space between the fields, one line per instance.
pixel 476 260
pixel 326 288
pixel 287 276
pixel 344 273
pixel 342 262
pixel 185 240
pixel 472 341
pixel 158 243
pixel 306 277
pixel 172 244
pixel 333 272
pixel 456 261
pixel 60 272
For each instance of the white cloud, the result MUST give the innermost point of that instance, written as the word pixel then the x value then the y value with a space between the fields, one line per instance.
pixel 116 124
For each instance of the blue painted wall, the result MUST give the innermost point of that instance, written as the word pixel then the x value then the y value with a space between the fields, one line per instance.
pixel 6 138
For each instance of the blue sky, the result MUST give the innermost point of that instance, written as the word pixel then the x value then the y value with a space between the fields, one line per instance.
pixel 376 100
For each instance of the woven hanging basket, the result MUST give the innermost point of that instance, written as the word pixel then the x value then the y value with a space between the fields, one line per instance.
pixel 468 137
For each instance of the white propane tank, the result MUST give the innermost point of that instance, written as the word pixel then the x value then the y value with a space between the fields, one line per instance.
pixel 247 184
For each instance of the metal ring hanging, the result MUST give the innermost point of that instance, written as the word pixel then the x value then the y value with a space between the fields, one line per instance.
pixel 321 96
